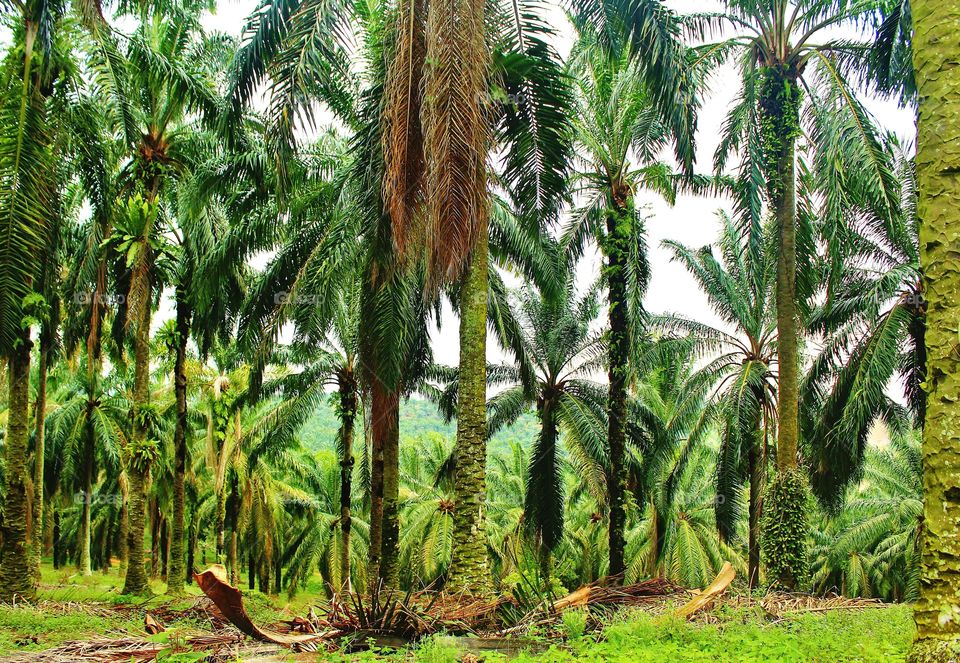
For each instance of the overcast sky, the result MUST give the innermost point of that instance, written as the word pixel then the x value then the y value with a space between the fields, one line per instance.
pixel 691 221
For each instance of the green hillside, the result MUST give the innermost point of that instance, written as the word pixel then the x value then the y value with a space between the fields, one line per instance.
pixel 417 418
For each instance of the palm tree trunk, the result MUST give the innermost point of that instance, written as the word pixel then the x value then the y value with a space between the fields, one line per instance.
pixel 86 567
pixel 177 575
pixel 348 412
pixel 234 561
pixel 138 463
pixel 39 415
pixel 756 470
pixel 786 522
pixel 383 568
pixel 935 52
pixel 191 551
pixel 390 537
pixel 616 250
pixel 16 577
pixel 469 571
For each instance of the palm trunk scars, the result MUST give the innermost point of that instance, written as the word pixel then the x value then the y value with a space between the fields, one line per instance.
pixel 935 54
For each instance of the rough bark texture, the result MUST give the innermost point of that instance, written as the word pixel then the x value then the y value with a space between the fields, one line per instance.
pixel 384 483
pixel 935 57
pixel 616 250
pixel 16 578
pixel 780 124
pixel 390 543
pixel 348 413
pixel 138 465
pixel 469 571
pixel 177 573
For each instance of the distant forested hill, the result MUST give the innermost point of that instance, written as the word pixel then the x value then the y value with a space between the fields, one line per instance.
pixel 417 417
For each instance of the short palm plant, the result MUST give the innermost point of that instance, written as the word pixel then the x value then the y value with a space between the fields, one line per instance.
pixel 563 349
pixel 871 546
pixel 873 325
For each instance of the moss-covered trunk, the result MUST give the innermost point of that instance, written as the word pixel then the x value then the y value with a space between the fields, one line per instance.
pixel 469 571
pixel 16 576
pixel 348 413
pixel 139 456
pixel 616 251
pixel 177 572
pixel 39 416
pixel 936 52
pixel 786 519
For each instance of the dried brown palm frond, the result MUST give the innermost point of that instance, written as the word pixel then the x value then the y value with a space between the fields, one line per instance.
pixel 402 130
pixel 456 131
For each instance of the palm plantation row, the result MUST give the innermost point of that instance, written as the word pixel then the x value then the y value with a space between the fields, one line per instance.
pixel 186 279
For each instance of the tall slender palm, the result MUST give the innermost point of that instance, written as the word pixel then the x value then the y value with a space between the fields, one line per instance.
pixel 165 82
pixel 938 627
pixel 28 206
pixel 617 122
pixel 740 288
pixel 792 68
pixel 330 359
pixel 437 77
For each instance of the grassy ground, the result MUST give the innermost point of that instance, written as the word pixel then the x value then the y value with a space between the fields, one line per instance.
pixel 71 607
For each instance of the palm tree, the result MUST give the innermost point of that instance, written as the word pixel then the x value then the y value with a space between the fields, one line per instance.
pixel 791 67
pixel 88 430
pixel 874 326
pixel 28 207
pixel 416 167
pixel 740 288
pixel 937 627
pixel 870 547
pixel 330 359
pixel 165 82
pixel 617 120
pixel 692 554
pixel 562 351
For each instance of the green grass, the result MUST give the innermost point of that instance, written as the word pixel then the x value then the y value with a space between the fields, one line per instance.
pixel 882 634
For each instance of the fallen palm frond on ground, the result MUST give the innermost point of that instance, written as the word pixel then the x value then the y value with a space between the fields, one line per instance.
pixel 115 650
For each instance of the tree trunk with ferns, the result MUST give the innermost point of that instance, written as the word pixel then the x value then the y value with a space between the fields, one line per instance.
pixel 348 412
pixel 785 520
pixel 177 573
pixel 616 252
pixel 16 578
pixel 935 53
pixel 469 571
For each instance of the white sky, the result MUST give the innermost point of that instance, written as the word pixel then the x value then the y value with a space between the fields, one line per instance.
pixel 691 221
